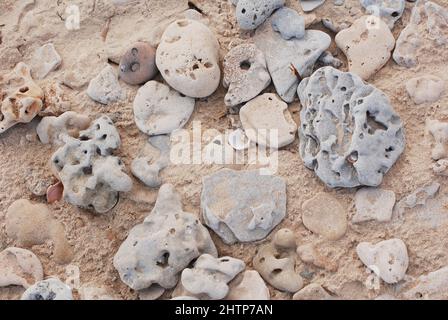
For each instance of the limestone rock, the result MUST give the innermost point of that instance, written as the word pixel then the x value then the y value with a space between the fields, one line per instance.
pixel 324 215
pixel 289 23
pixel 387 259
pixel 439 130
pixel 389 10
pixel 312 291
pixel 242 216
pixel 349 135
pixel 104 88
pixel 152 293
pixel 433 285
pixel 157 250
pixel 245 74
pixel 252 13
pixel 45 60
pixel 56 101
pixel 251 286
pixel 266 120
pixel 138 64
pixel 69 123
pixel 19 267
pixel 417 198
pixel 373 204
pixel 424 89
pixel 368 44
pixel 161 110
pixel 310 5
pixel 49 289
pixel 188 58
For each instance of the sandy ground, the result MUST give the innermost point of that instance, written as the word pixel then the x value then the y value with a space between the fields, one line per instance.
pixel 96 238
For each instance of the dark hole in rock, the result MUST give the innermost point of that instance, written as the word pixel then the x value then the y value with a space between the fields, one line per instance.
pixel 373 124
pixel 276 271
pixel 135 66
pixel 87 170
pixel 245 65
pixel 191 5
pixel 134 51
pixel 24 89
pixel 395 14
pixel 163 261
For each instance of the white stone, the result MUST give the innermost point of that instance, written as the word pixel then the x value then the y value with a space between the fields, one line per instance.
pixel 105 88
pixel 439 130
pixel 49 289
pixel 45 60
pixel 70 123
pixel 310 5
pixel 250 287
pixel 373 204
pixel 19 267
pixel 425 89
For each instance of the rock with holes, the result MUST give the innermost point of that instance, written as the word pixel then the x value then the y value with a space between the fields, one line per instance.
pixel 431 286
pixel 146 168
pixel 157 250
pixel 368 44
pixel 349 134
pixel 161 110
pixel 69 123
pixel 266 121
pixel 209 278
pixel 252 13
pixel 249 286
pixel 390 11
pixel 387 259
pixel 49 289
pixel 313 291
pixel 276 262
pixel 242 216
pixel 245 74
pixel 91 175
pixel 424 36
pixel 289 61
pixel 310 5
pixel 425 89
pixel 373 204
pixel 439 131
pixel 288 23
pixel 138 64
pixel 21 98
pixel 45 60
pixel 19 267
pixel 105 88
pixel 188 58
pixel 324 215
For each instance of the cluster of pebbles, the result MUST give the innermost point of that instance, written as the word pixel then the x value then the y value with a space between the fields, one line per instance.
pixel 349 135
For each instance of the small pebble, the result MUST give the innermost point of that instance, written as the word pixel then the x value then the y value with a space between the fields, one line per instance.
pixel 138 64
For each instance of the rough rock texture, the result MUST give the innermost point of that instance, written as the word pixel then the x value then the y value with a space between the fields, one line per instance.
pixel 373 204
pixel 105 88
pixel 289 23
pixel 21 98
pixel 56 100
pixel 324 215
pixel 91 176
pixel 431 286
pixel 147 168
pixel 161 110
pixel 440 168
pixel 425 89
pixel 157 250
pixel 245 74
pixel 289 61
pixel 45 60
pixel 417 198
pixel 368 44
pixel 350 135
pixel 209 278
pixel 138 64
pixel 266 121
pixel 19 267
pixel 276 262
pixel 252 13
pixel 312 291
pixel 69 123
pixel 439 131
pixel 388 10
pixel 49 289
pixel 188 60
pixel 249 286
pixel 424 33
pixel 387 259
pixel 242 216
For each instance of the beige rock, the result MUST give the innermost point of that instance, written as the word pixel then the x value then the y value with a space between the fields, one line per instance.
pixel 426 88
pixel 308 253
pixel 45 60
pixel 324 215
pixel 71 123
pixel 440 168
pixel 312 292
pixel 368 44
pixel 373 204
pixel 439 130
pixel 19 267
pixel 250 286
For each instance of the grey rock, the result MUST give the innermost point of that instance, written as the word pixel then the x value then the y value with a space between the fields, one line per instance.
pixel 290 60
pixel 289 23
pixel 327 59
pixel 242 216
pixel 349 134
pixel 310 5
pixel 389 10
pixel 252 13
pixel 49 289
pixel 157 250
pixel 91 176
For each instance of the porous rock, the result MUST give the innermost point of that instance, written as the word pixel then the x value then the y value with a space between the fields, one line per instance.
pixel 91 175
pixel 424 89
pixel 38 179
pixel 69 123
pixel 289 23
pixel 431 286
pixel 188 58
pixel 209 278
pixel 245 74
pixel 252 13
pixel 242 216
pixel 249 286
pixel 49 289
pixel 387 259
pixel 45 60
pixel 161 110
pixel 324 215
pixel 22 98
pixel 266 120
pixel 157 250
pixel 56 101
pixel 291 60
pixel 368 44
pixel 388 10
pixel 276 262
pixel 105 88
pixel 349 134
pixel 373 204
pixel 19 267
pixel 138 64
